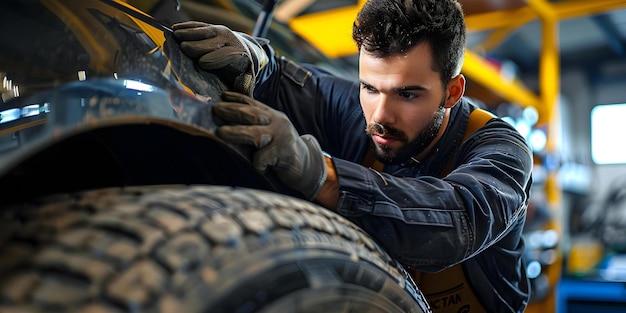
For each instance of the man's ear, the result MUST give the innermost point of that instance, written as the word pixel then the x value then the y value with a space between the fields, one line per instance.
pixel 455 90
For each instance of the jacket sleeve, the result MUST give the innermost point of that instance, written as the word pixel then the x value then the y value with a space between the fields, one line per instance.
pixel 430 223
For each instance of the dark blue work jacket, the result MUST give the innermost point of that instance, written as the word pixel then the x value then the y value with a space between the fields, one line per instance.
pixel 474 214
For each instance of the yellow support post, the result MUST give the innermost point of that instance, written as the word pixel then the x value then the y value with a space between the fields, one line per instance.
pixel 330 31
pixel 499 19
pixel 572 9
pixel 496 37
pixel 549 90
pixel 561 10
pixel 549 71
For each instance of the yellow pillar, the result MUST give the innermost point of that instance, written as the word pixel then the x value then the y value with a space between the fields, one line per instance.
pixel 549 89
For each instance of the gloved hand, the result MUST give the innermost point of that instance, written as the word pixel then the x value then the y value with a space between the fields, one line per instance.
pixel 235 57
pixel 297 160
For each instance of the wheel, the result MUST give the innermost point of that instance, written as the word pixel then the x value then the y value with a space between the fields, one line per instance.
pixel 193 249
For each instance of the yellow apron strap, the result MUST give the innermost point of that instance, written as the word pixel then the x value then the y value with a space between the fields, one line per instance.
pixel 477 119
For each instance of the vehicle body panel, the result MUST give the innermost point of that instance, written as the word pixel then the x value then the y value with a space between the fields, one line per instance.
pixel 77 67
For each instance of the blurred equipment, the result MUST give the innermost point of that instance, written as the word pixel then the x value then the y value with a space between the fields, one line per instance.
pixel 595 272
pixel 608 222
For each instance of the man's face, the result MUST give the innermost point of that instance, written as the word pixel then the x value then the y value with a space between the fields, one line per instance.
pixel 403 102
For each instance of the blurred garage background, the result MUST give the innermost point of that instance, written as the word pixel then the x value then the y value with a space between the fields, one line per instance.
pixel 554 69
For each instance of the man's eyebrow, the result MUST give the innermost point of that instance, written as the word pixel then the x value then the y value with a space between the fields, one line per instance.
pixel 400 89
pixel 410 88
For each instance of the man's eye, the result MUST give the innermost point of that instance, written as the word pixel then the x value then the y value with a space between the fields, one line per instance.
pixel 407 95
pixel 368 88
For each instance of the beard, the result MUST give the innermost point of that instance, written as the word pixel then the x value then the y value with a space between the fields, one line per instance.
pixel 417 145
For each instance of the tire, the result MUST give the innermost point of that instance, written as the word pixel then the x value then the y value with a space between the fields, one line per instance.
pixel 193 249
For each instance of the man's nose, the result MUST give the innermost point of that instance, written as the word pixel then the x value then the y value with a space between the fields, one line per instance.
pixel 383 112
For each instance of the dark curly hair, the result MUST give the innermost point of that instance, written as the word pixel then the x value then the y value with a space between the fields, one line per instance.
pixel 389 27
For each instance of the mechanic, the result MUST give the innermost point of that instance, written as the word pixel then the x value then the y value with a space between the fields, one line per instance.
pixel 442 185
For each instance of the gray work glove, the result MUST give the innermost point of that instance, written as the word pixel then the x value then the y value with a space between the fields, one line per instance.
pixel 297 160
pixel 235 57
